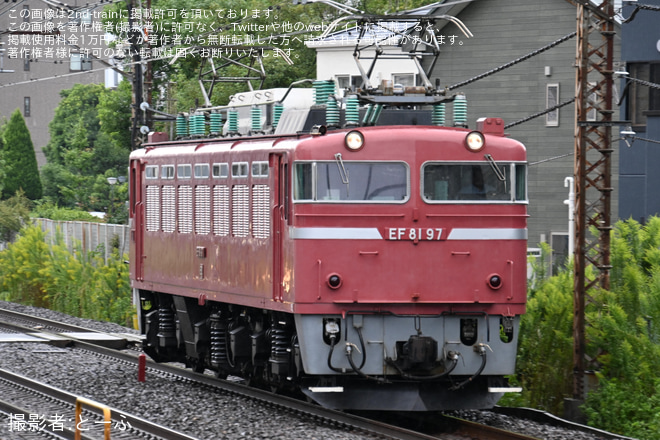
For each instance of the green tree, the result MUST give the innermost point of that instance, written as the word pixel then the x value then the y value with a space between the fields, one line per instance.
pixel 179 81
pixel 14 214
pixel 76 123
pixel 2 162
pixel 89 138
pixel 21 170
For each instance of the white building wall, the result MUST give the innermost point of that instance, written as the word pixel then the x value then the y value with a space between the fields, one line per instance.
pixel 333 61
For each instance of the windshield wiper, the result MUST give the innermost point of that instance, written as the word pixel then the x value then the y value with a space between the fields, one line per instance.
pixel 343 172
pixel 498 172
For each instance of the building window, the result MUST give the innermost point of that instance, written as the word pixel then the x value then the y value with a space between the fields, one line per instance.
pixel 26 106
pixel 594 102
pixel 85 16
pixel 551 100
pixel 405 79
pixel 348 82
pixel 79 61
pixel 560 252
pixel 643 99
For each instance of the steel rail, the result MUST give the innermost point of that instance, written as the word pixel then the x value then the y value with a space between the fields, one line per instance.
pixel 312 411
pixel 46 322
pixel 117 415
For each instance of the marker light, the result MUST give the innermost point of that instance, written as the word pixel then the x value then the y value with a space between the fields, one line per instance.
pixel 334 281
pixel 474 141
pixel 495 281
pixel 354 140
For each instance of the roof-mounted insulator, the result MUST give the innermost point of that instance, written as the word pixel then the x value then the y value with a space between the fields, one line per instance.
pixel 374 115
pixel 197 124
pixel 215 123
pixel 323 90
pixel 232 121
pixel 255 115
pixel 460 111
pixel 352 111
pixel 332 112
pixel 438 116
pixel 278 108
pixel 181 125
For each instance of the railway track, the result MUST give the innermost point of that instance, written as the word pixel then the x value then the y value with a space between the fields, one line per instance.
pixel 34 407
pixel 369 427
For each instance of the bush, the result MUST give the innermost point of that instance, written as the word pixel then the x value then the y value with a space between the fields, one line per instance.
pixel 79 283
pixel 623 338
pixel 14 213
pixel 53 212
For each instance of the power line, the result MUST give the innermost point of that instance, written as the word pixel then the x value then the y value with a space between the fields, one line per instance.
pixel 514 62
pixel 645 83
pixel 536 115
pixel 634 138
pixel 639 8
pixel 551 158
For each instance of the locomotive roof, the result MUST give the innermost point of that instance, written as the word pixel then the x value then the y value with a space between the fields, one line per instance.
pixel 377 139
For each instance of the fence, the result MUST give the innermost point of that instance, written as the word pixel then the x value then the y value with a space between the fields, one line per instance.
pixel 98 237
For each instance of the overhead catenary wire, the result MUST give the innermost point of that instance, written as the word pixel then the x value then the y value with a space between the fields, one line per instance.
pixel 536 115
pixel 550 159
pixel 639 8
pixel 637 138
pixel 514 62
pixel 645 83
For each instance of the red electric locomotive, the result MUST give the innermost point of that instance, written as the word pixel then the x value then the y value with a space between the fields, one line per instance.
pixel 372 267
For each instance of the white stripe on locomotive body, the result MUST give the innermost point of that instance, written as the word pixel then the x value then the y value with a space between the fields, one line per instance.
pixel 335 233
pixel 374 234
pixel 488 234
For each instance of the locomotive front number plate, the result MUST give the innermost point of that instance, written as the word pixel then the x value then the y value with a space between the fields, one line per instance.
pixel 414 234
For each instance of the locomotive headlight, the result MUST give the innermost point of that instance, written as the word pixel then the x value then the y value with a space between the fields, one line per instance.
pixel 331 331
pixel 475 141
pixel 354 140
pixel 331 327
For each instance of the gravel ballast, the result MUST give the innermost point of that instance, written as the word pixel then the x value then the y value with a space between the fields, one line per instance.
pixel 188 408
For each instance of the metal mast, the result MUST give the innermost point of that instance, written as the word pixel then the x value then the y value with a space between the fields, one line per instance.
pixel 592 166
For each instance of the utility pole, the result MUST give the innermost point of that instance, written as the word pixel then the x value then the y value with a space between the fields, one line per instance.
pixel 137 113
pixel 592 166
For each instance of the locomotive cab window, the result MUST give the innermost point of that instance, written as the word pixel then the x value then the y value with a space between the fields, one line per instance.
pixel 467 182
pixel 345 181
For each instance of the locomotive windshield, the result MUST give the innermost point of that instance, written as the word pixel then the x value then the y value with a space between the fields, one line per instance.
pixel 346 181
pixel 443 182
